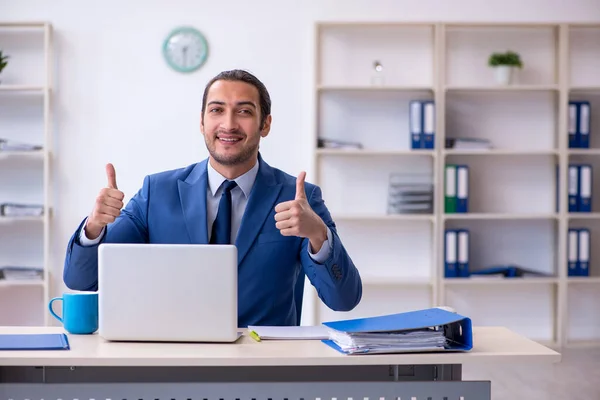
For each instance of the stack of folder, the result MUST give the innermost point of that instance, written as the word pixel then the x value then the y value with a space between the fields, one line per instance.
pixel 579 124
pixel 578 253
pixel 456 189
pixel 422 124
pixel 580 184
pixel 430 330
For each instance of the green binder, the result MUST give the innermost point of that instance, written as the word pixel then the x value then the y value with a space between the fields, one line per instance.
pixel 450 189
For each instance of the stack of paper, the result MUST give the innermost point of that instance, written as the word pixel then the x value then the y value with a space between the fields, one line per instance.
pixel 433 329
pixel 389 342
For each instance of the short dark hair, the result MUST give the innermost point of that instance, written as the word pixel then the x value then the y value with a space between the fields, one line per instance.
pixel 243 76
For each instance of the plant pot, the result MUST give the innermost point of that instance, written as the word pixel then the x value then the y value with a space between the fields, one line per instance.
pixel 503 74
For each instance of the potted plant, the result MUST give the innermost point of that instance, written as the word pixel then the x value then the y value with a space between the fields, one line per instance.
pixel 504 65
pixel 3 61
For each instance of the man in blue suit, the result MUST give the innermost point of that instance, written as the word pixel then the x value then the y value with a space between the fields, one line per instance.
pixel 279 223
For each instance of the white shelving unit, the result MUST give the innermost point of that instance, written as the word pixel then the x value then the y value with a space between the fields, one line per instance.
pixel 513 216
pixel 25 176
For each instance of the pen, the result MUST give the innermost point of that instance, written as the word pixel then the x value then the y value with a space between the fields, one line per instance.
pixel 255 336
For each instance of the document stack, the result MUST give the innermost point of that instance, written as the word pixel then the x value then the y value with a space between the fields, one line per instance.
pixel 468 144
pixel 430 330
pixel 410 194
pixel 21 210
pixel 579 124
pixel 8 145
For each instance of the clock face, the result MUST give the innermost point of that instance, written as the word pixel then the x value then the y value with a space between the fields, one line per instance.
pixel 185 49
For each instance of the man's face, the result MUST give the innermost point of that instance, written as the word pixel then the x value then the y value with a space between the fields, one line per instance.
pixel 231 122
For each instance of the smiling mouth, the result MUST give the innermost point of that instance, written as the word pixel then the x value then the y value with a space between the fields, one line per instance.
pixel 229 139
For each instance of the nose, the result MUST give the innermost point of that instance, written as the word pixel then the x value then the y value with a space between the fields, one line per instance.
pixel 229 122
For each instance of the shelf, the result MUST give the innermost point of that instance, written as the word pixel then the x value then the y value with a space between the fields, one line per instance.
pixel 507 88
pixel 373 88
pixel 22 88
pixel 584 152
pixel 499 152
pixel 584 279
pixel 27 117
pixel 395 281
pixel 493 216
pixel 21 154
pixel 13 283
pixel 583 215
pixel 584 89
pixel 383 217
pixel 499 281
pixel 512 188
pixel 374 153
pixel 12 220
pixel 24 24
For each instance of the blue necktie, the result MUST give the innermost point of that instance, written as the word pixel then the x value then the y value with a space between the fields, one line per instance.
pixel 221 229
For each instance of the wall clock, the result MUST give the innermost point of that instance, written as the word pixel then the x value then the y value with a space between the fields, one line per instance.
pixel 185 49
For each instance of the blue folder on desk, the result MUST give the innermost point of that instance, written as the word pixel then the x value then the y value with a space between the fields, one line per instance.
pixel 429 330
pixel 44 341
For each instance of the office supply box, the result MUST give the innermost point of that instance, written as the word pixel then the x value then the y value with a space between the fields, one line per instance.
pixel 429 330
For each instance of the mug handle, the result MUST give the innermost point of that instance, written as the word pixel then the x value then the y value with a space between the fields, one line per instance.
pixel 52 311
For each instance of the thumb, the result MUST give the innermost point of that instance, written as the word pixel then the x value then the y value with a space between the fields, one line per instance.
pixel 300 193
pixel 112 176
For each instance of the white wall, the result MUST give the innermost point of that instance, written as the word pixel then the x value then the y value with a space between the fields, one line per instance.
pixel 116 100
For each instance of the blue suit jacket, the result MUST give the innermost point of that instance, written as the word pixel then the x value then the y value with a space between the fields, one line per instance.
pixel 171 208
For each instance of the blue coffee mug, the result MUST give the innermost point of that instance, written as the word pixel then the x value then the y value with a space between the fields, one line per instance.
pixel 79 312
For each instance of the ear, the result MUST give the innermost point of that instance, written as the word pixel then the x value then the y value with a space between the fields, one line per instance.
pixel 267 127
pixel 202 124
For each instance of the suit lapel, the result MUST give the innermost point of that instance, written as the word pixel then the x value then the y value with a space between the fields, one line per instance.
pixel 192 193
pixel 260 203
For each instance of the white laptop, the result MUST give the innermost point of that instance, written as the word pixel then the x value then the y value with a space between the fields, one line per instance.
pixel 168 292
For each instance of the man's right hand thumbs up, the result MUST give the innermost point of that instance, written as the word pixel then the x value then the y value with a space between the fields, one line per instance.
pixel 107 208
pixel 112 176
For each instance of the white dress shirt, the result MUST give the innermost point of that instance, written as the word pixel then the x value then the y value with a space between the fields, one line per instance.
pixel 239 200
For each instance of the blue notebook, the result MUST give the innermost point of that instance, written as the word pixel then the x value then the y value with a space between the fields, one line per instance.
pixel 432 329
pixel 44 341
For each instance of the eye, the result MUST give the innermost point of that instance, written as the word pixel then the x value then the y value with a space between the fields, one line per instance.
pixel 215 109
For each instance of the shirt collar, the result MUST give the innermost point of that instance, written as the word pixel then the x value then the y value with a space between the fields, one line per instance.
pixel 245 181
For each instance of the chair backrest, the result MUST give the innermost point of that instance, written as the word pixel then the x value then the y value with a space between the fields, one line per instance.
pixel 299 295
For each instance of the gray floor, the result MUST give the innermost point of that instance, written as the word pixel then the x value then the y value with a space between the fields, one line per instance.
pixel 576 377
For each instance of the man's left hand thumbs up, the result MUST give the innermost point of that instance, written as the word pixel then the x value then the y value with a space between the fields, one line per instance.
pixel 297 218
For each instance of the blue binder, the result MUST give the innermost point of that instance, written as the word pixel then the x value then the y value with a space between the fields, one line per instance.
pixel 451 253
pixel 583 124
pixel 457 328
pixel 44 341
pixel 573 120
pixel 416 123
pixel 428 126
pixel 573 187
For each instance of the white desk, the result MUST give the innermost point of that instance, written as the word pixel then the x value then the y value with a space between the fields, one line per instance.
pixel 100 370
